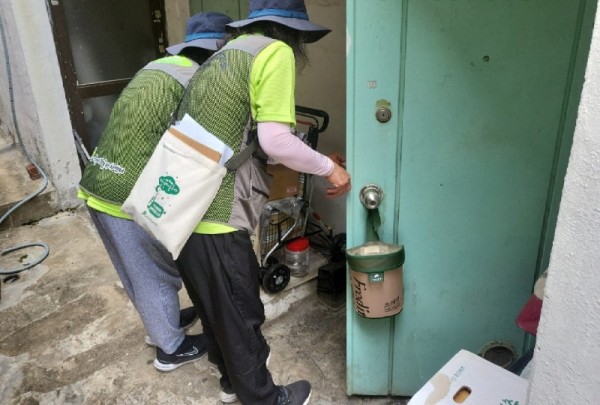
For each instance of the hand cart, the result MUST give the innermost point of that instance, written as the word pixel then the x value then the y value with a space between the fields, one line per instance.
pixel 287 218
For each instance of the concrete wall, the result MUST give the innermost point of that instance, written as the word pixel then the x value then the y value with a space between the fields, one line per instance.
pixel 322 85
pixel 11 75
pixel 42 116
pixel 177 13
pixel 565 365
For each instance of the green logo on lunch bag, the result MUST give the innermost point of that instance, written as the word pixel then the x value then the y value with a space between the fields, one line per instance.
pixel 155 209
pixel 168 185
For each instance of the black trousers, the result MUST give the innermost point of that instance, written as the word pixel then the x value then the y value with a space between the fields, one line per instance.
pixel 221 272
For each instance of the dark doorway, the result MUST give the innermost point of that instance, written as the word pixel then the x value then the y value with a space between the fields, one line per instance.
pixel 101 45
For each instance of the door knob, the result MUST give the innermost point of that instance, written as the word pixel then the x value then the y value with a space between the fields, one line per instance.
pixel 371 196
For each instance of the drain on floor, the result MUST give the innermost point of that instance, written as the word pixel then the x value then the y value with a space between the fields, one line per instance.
pixel 502 354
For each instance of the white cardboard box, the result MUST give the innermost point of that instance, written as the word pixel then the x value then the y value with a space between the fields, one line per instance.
pixel 471 380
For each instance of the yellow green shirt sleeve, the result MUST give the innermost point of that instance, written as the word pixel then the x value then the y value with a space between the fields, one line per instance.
pixel 273 83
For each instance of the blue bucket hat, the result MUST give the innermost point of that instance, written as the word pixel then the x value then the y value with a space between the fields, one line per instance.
pixel 291 13
pixel 203 30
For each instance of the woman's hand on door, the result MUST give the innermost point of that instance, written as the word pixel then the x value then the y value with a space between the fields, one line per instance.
pixel 339 177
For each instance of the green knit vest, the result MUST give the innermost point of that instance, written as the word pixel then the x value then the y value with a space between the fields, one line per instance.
pixel 218 97
pixel 140 116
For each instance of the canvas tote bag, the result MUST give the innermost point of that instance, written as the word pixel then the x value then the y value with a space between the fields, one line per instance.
pixel 175 189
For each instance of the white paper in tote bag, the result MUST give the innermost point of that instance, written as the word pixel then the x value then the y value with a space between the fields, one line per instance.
pixel 197 132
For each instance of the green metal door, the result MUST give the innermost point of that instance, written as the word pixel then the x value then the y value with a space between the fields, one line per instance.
pixel 483 96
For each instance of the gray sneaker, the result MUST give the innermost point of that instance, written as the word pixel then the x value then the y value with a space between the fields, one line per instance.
pixel 297 393
pixel 191 349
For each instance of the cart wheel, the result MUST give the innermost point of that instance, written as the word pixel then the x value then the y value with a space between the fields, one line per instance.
pixel 276 278
pixel 338 247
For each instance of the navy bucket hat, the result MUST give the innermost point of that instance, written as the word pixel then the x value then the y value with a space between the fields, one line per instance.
pixel 203 30
pixel 291 13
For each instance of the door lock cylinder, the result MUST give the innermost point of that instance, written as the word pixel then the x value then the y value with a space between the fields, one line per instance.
pixel 371 196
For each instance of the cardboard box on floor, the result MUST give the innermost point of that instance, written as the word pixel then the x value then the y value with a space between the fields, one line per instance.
pixel 470 379
pixel 286 182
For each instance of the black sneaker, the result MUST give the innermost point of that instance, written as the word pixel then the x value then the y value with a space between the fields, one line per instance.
pixel 297 393
pixel 187 319
pixel 191 349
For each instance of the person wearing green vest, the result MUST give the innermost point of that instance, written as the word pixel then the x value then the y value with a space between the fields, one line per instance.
pixel 140 116
pixel 247 84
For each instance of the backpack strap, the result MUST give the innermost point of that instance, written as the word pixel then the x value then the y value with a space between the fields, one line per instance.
pixel 253 45
pixel 236 161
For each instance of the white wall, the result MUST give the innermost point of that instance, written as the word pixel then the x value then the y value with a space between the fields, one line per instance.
pixel 566 366
pixel 40 103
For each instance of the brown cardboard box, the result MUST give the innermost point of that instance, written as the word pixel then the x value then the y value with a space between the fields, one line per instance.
pixel 286 182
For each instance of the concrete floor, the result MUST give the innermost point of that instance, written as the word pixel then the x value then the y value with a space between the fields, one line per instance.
pixel 69 335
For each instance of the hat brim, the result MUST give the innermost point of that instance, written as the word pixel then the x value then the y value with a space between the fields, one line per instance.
pixel 203 43
pixel 313 31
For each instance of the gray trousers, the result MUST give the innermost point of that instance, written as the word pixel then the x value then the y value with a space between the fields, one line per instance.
pixel 149 276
